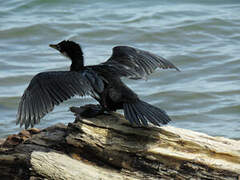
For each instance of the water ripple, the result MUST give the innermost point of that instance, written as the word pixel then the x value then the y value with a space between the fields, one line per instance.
pixel 201 38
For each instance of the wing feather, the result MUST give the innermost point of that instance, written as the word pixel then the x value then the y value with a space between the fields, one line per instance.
pixel 48 89
pixel 135 63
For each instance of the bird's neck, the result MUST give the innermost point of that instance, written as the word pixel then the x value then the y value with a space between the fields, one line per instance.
pixel 77 62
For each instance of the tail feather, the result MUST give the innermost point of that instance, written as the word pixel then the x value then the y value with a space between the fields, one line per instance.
pixel 142 113
pixel 133 115
pixel 157 113
pixel 127 114
pixel 147 114
pixel 139 115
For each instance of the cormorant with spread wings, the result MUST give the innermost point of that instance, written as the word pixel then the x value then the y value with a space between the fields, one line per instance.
pixel 102 82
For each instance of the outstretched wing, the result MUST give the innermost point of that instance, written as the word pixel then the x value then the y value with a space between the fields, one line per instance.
pixel 135 63
pixel 48 89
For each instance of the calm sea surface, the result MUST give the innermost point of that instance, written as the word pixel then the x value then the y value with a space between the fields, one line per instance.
pixel 201 37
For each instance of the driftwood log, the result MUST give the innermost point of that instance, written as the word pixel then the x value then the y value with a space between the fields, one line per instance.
pixel 108 147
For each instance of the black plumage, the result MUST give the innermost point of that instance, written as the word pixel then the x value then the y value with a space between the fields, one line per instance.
pixel 102 82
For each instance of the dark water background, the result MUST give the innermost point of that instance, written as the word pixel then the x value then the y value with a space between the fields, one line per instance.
pixel 202 38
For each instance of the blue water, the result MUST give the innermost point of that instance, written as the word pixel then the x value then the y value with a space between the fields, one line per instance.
pixel 202 38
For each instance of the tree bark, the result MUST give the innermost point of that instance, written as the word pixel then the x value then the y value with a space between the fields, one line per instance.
pixel 108 147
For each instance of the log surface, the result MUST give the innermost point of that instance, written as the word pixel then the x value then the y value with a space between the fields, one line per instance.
pixel 108 147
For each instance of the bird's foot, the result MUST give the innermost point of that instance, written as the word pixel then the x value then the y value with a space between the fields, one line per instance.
pixel 89 110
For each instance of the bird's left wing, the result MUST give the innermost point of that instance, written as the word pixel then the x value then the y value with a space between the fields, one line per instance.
pixel 48 89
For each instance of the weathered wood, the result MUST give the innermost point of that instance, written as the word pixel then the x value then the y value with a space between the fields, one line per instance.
pixel 108 147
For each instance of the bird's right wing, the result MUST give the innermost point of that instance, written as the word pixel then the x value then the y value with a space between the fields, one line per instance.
pixel 48 89
pixel 135 63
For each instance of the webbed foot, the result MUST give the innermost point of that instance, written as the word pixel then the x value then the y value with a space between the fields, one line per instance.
pixel 89 110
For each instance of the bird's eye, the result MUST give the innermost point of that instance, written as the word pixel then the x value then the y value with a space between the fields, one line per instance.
pixel 59 47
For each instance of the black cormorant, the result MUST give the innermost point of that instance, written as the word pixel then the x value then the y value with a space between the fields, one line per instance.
pixel 102 82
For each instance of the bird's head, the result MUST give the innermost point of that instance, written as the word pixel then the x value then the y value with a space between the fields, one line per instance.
pixel 69 49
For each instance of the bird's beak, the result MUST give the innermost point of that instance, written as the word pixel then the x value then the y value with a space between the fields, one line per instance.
pixel 54 46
